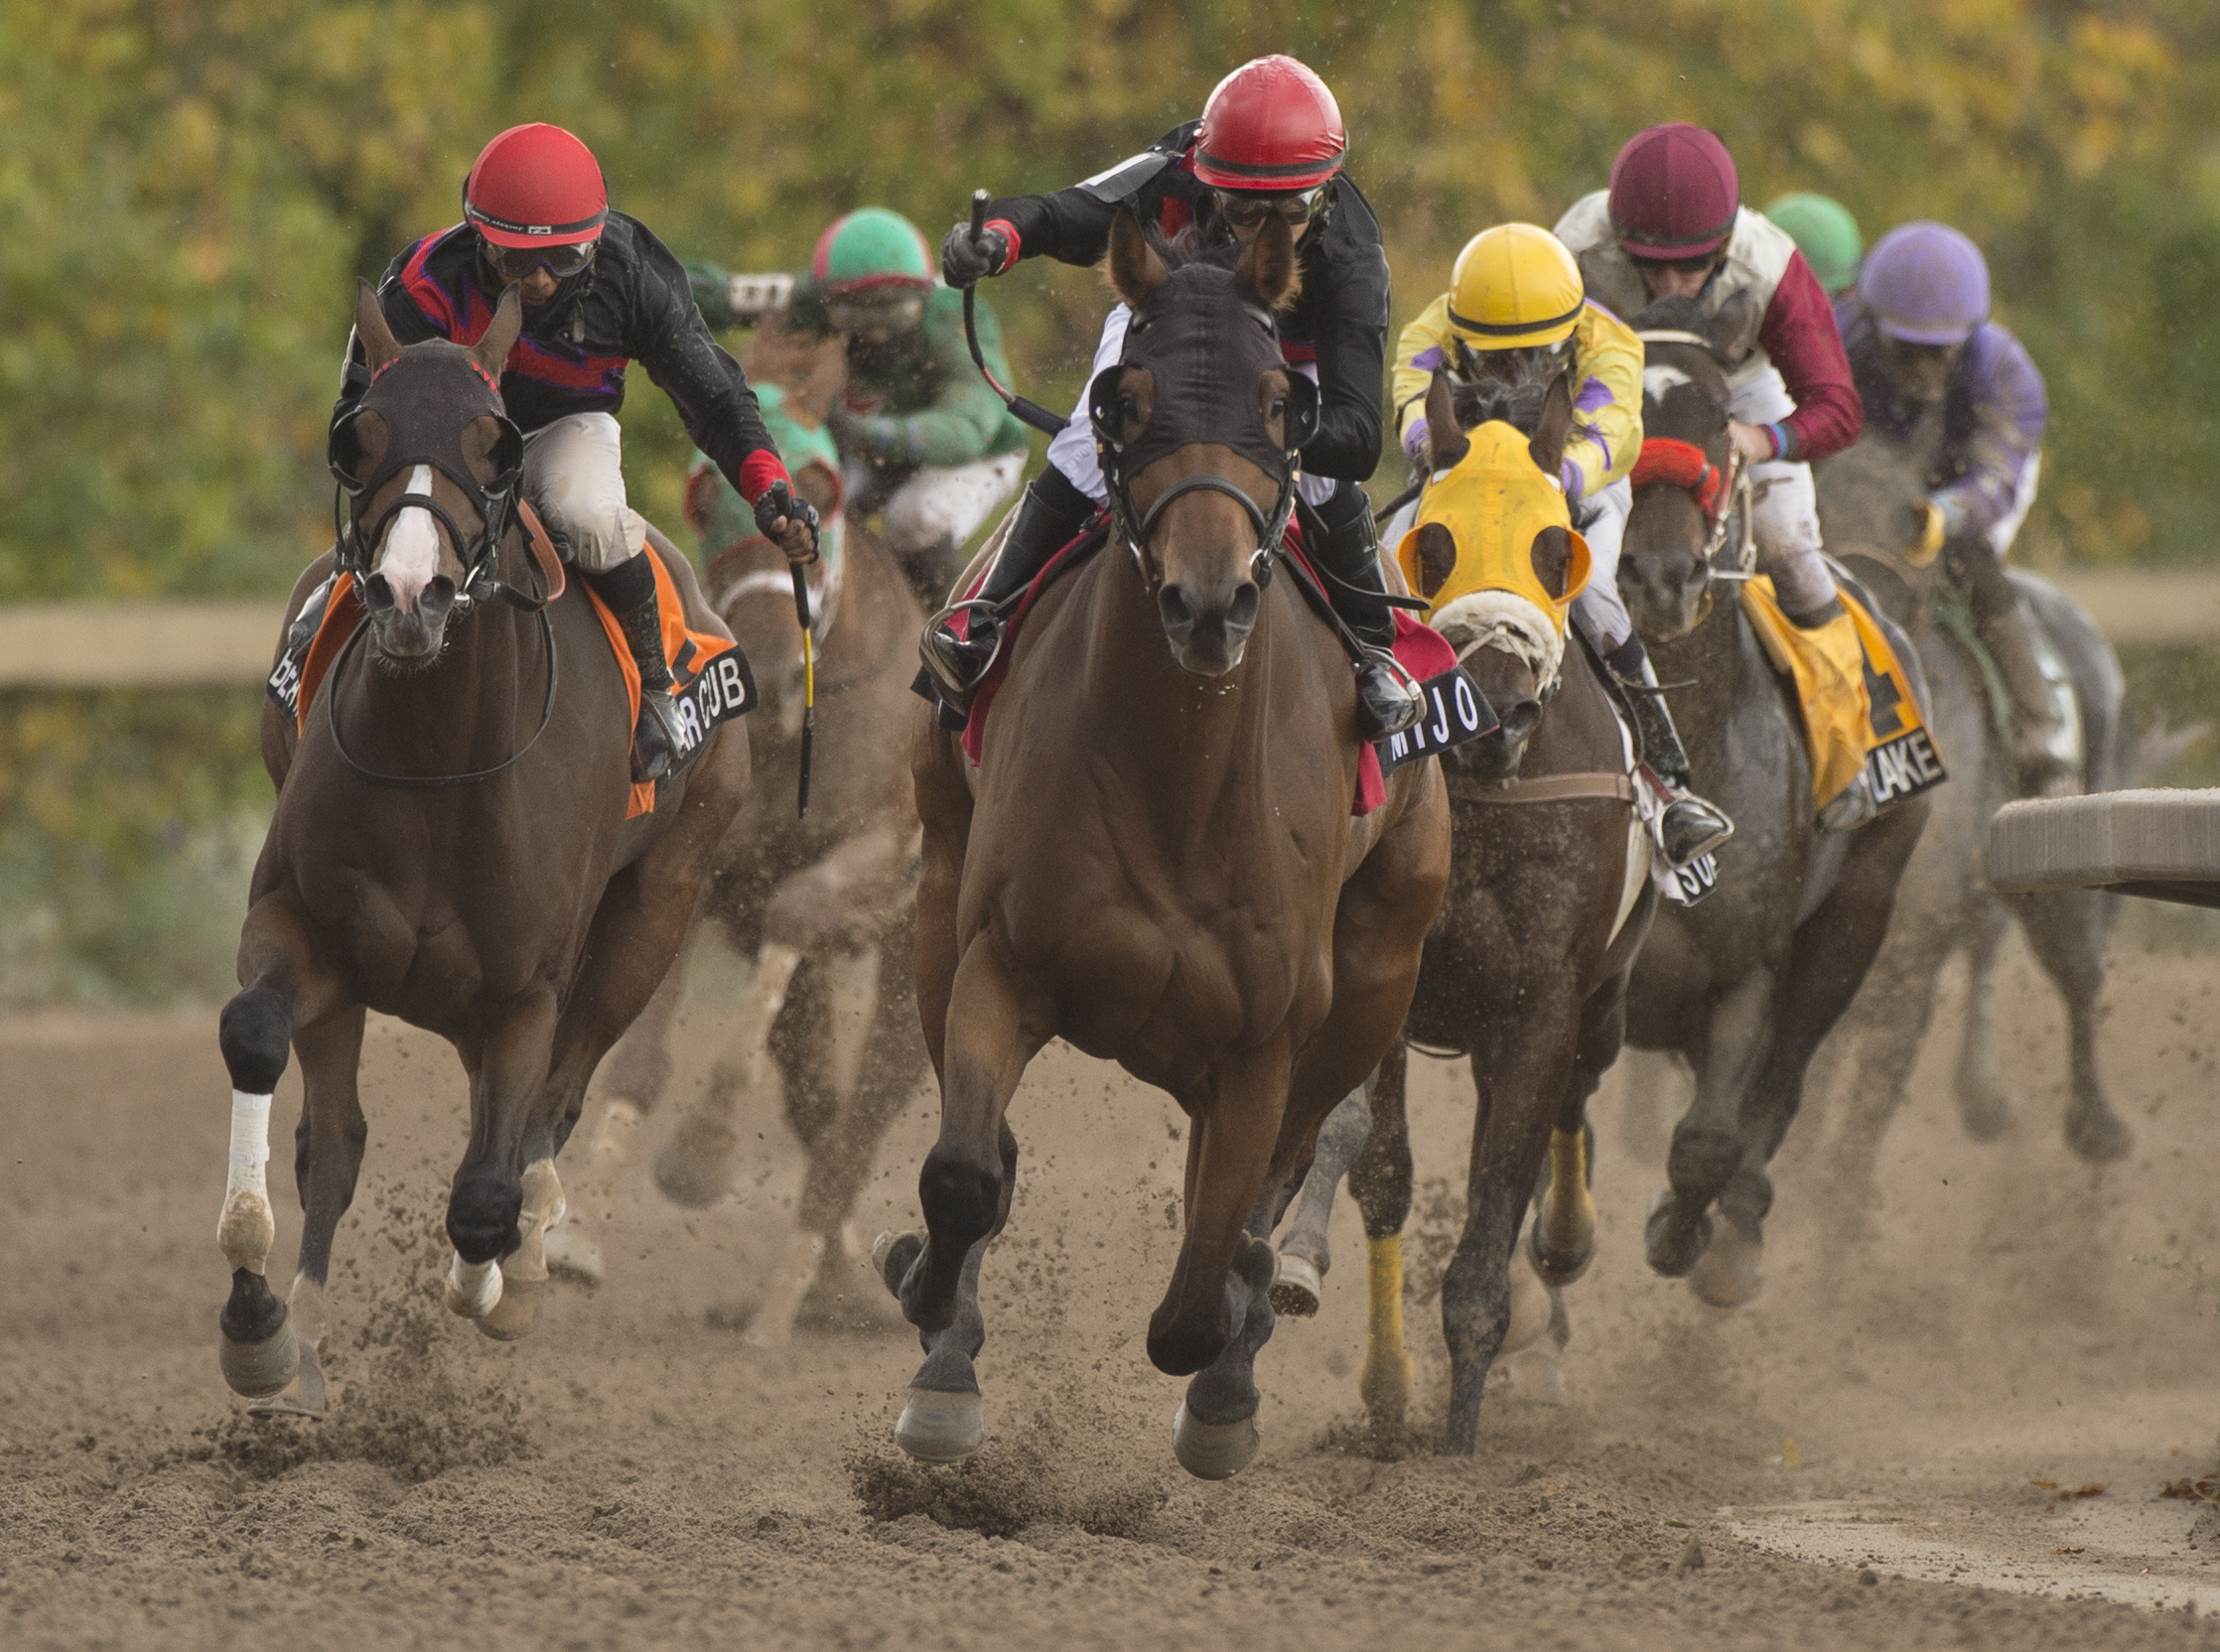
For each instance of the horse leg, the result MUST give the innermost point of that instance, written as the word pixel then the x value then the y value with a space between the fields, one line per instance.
pixel 1305 1256
pixel 697 1165
pixel 638 1070
pixel 1897 1005
pixel 327 1160
pixel 486 1206
pixel 2066 930
pixel 965 1187
pixel 1380 1182
pixel 1980 1078
pixel 1707 1145
pixel 282 988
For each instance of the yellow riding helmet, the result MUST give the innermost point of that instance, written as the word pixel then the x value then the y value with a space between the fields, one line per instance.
pixel 1512 286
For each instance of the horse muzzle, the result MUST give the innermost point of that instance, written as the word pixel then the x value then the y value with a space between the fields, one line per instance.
pixel 1498 755
pixel 1208 637
pixel 413 632
pixel 1663 597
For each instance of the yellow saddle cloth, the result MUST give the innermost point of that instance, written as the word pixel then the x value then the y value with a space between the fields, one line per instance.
pixel 1861 721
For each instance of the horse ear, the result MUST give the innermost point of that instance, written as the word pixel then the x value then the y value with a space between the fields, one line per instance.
pixel 379 343
pixel 1443 435
pixel 1135 269
pixel 492 350
pixel 1268 271
pixel 1547 448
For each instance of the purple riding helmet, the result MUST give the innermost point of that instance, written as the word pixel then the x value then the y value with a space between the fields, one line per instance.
pixel 1925 283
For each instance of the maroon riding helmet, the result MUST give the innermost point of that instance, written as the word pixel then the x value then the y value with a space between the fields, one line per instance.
pixel 1674 194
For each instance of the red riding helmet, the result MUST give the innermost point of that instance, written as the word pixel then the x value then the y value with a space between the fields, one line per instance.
pixel 536 186
pixel 1270 125
pixel 1674 192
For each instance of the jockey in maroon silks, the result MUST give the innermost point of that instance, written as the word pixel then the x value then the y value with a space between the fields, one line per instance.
pixel 600 292
pixel 1269 141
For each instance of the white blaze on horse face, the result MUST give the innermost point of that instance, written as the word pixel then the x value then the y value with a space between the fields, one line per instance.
pixel 412 547
pixel 1659 379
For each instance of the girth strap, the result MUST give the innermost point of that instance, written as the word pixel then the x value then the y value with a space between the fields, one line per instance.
pixel 1602 784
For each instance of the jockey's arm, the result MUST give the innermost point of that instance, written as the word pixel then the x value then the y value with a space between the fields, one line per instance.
pixel 1607 404
pixel 965 417
pixel 1800 336
pixel 1072 225
pixel 1422 346
pixel 2010 410
pixel 1351 329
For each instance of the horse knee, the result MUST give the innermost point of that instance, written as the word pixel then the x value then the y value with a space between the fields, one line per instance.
pixel 255 1032
pixel 961 1196
pixel 481 1214
pixel 1702 1160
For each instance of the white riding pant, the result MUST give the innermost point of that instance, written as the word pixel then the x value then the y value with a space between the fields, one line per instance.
pixel 1785 504
pixel 945 503
pixel 1071 449
pixel 2022 500
pixel 574 476
pixel 1598 610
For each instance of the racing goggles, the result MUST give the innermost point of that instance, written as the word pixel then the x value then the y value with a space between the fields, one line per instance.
pixel 1243 210
pixel 515 263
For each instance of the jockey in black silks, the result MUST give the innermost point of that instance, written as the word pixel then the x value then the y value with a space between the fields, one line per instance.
pixel 600 292
pixel 1269 141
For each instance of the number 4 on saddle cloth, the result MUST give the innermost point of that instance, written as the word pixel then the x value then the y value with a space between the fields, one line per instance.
pixel 710 677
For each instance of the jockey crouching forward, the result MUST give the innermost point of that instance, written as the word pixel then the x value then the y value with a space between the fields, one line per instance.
pixel 1672 225
pixel 600 292
pixel 1269 141
pixel 1918 334
pixel 1517 314
pixel 925 439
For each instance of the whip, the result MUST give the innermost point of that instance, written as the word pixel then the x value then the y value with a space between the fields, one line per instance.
pixel 808 684
pixel 1032 412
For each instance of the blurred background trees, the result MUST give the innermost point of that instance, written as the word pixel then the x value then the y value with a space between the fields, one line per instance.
pixel 188 187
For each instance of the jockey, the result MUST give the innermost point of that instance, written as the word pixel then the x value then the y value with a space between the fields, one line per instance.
pixel 1269 141
pixel 1825 234
pixel 925 439
pixel 1672 225
pixel 600 292
pixel 1517 312
pixel 1920 333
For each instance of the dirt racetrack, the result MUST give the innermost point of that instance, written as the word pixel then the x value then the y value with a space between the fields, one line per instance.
pixel 1806 1472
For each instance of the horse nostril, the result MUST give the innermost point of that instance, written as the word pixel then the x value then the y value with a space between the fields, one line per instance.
pixel 377 593
pixel 1178 613
pixel 435 601
pixel 1241 613
pixel 1521 720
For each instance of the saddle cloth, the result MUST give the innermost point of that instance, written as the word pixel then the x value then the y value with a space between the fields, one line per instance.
pixel 1421 651
pixel 1861 721
pixel 710 677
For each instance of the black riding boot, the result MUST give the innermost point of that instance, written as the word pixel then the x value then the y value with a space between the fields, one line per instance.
pixel 1691 827
pixel 2004 630
pixel 1347 553
pixel 630 590
pixel 1048 518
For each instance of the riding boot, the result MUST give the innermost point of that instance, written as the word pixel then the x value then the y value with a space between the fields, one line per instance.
pixel 2006 631
pixel 1690 827
pixel 1348 554
pixel 1049 517
pixel 630 590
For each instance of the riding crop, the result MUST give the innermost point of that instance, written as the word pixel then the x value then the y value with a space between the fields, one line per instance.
pixel 1032 412
pixel 808 684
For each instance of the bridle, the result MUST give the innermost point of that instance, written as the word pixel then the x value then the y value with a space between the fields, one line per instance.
pixel 1727 498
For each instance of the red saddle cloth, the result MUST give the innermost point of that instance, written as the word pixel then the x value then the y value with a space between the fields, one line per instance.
pixel 706 692
pixel 1419 648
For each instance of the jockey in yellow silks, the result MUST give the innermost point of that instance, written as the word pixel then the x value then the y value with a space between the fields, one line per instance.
pixel 1517 313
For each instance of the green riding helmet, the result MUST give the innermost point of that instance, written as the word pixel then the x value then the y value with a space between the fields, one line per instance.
pixel 1825 234
pixel 871 250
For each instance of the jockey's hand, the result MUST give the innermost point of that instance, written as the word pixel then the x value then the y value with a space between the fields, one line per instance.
pixel 1753 441
pixel 788 523
pixel 966 260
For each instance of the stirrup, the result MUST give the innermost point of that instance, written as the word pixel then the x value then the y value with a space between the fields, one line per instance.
pixel 1377 719
pixel 1703 827
pixel 948 675
pixel 656 737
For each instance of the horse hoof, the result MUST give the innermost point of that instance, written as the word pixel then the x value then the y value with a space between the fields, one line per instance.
pixel 1985 1115
pixel 261 1370
pixel 575 1255
pixel 1213 1450
pixel 472 1287
pixel 1557 1268
pixel 1532 1376
pixel 940 1428
pixel 1296 1287
pixel 2097 1137
pixel 511 1316
pixel 892 1256
pixel 695 1167
pixel 1675 1243
pixel 1732 1271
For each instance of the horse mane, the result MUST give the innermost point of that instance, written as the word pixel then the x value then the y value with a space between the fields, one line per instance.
pixel 1485 400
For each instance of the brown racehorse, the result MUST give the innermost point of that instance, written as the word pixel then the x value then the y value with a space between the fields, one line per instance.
pixel 432 858
pixel 1525 971
pixel 1156 858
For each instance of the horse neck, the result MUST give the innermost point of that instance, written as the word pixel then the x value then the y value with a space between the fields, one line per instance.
pixel 1719 658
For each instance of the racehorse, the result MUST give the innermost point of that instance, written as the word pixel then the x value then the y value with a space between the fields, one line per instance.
pixel 1156 858
pixel 450 846
pixel 1866 495
pixel 809 899
pixel 1525 970
pixel 1744 984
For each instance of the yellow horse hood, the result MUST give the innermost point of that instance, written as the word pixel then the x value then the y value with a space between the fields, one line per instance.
pixel 1495 503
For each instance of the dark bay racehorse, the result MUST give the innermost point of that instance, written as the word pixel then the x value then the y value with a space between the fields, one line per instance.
pixel 1525 971
pixel 1155 859
pixel 1745 984
pixel 435 858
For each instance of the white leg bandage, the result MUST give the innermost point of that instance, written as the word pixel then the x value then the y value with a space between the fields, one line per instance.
pixel 246 1229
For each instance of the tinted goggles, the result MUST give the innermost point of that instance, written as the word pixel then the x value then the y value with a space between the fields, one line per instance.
pixel 516 262
pixel 1243 210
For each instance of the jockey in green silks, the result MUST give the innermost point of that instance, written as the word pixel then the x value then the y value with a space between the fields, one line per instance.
pixel 925 440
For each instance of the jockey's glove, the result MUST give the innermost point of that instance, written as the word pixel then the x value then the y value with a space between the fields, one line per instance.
pixel 779 504
pixel 967 259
